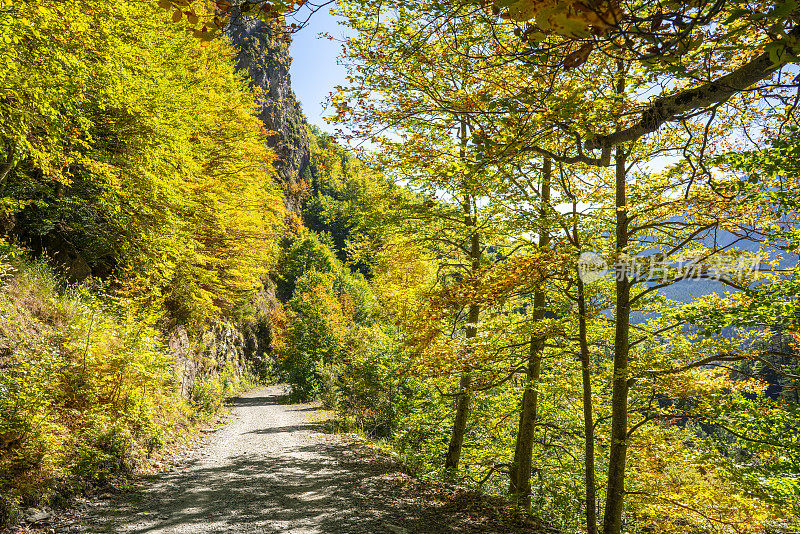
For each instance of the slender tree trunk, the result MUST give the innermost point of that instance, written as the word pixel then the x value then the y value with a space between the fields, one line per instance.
pixel 615 492
pixel 520 472
pixel 465 384
pixel 520 483
pixel 462 405
pixel 464 394
pixel 588 419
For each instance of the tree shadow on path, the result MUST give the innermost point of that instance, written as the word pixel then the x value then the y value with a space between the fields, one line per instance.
pixel 306 483
pixel 322 488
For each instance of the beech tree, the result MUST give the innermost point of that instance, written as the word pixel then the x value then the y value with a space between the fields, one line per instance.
pixel 429 144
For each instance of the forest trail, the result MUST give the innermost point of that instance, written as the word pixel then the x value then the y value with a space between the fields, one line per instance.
pixel 272 470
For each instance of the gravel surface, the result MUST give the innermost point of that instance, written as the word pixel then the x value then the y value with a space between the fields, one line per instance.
pixel 271 469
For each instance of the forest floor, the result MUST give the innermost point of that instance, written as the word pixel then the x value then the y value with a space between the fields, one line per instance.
pixel 272 469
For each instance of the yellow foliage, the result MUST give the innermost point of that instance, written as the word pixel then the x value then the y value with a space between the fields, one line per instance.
pixel 86 387
pixel 567 17
pixel 677 485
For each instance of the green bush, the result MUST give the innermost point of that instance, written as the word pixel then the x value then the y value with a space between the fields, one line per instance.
pixel 299 255
pixel 207 395
pixel 10 509
pixel 316 333
pixel 371 394
pixel 325 302
pixel 103 451
pixel 327 384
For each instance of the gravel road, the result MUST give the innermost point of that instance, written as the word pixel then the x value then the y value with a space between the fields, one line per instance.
pixel 271 469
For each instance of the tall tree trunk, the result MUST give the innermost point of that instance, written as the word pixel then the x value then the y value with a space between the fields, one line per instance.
pixel 615 492
pixel 465 384
pixel 520 472
pixel 9 163
pixel 588 419
pixel 464 394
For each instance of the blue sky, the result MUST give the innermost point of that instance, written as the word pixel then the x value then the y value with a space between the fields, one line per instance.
pixel 314 68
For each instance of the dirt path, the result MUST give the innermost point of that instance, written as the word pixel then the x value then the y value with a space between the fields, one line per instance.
pixel 270 470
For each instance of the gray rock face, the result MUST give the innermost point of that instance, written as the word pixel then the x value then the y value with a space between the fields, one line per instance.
pixel 224 345
pixel 34 515
pixel 263 53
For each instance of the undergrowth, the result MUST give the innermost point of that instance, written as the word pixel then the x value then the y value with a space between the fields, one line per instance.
pixel 87 389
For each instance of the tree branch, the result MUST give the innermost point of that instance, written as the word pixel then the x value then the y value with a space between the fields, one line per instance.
pixel 669 108
pixel 9 164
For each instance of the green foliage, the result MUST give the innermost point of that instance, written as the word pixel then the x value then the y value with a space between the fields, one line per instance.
pixel 303 254
pixel 207 396
pixel 326 302
pixel 299 255
pixel 316 333
pixel 372 393
pixel 349 201
pixel 208 392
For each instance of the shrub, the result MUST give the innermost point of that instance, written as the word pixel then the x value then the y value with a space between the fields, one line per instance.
pixel 370 391
pixel 316 332
pixel 326 387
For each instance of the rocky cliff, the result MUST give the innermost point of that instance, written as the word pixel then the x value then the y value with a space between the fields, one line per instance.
pixel 263 53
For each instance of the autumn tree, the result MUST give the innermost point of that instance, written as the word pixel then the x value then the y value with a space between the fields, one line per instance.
pixel 566 116
pixel 173 195
pixel 426 104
